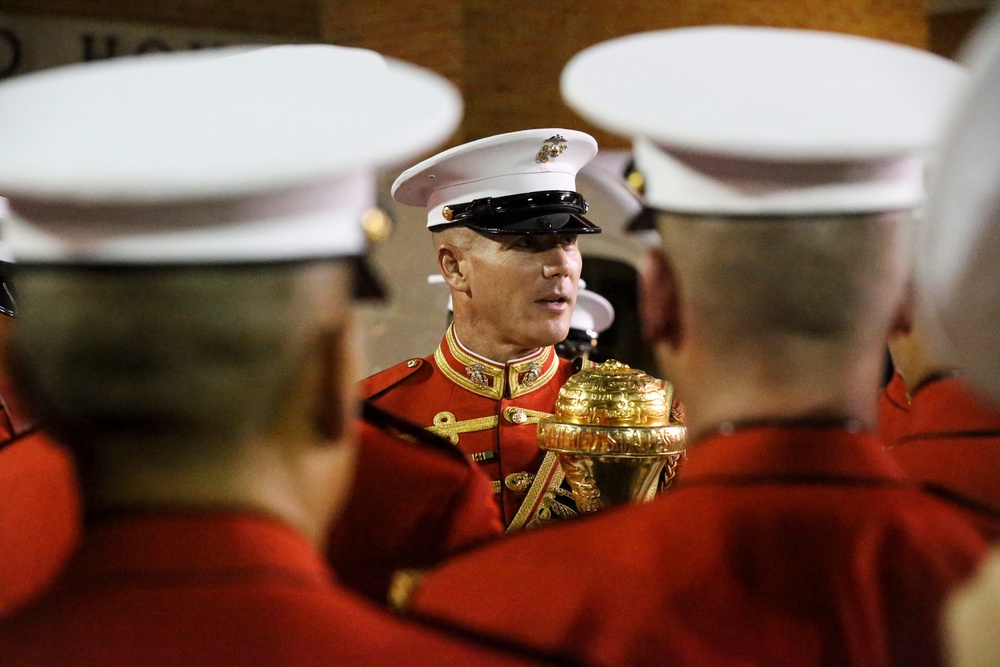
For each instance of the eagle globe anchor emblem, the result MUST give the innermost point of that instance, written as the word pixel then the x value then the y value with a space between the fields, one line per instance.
pixel 477 373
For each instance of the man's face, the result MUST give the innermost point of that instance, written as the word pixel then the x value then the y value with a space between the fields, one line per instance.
pixel 523 287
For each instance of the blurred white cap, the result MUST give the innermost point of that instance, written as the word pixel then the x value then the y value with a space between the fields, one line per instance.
pixel 216 156
pixel 593 313
pixel 764 121
pixel 958 262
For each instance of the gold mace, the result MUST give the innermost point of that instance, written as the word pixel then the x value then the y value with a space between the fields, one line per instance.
pixel 613 434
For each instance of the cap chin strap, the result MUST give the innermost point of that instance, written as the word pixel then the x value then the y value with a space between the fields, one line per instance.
pixel 515 207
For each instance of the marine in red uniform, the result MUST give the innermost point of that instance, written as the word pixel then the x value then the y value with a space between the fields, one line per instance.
pixel 950 436
pixel 790 536
pixel 39 507
pixel 778 545
pixel 193 350
pixel 491 421
pixel 953 444
pixel 505 219
pixel 431 502
pixel 957 270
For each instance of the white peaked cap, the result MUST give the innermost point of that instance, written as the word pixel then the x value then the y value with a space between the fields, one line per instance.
pixel 217 156
pixel 593 313
pixel 958 249
pixel 757 121
pixel 497 166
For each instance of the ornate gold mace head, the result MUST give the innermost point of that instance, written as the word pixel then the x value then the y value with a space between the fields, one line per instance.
pixel 613 434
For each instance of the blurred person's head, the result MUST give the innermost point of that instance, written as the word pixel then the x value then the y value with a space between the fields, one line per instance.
pixel 779 168
pixel 185 324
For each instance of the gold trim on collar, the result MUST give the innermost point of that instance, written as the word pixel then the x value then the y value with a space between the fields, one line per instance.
pixel 526 376
pixel 487 378
pixel 477 371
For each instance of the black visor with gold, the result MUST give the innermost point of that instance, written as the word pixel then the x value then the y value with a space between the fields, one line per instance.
pixel 542 212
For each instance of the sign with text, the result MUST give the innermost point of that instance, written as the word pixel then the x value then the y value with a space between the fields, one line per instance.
pixel 29 43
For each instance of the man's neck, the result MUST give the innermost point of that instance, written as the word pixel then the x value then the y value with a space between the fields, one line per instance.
pixel 484 345
pixel 281 491
pixel 796 392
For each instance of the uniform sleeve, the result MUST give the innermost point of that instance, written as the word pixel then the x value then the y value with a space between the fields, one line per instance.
pixel 474 517
pixel 409 507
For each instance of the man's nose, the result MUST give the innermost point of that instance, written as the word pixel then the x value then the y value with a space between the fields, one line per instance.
pixel 558 262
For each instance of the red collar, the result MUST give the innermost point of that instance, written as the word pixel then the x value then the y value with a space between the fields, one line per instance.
pixel 949 405
pixel 789 451
pixel 183 547
pixel 489 378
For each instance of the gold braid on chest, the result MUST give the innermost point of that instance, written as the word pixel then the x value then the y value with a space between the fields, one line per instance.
pixel 448 426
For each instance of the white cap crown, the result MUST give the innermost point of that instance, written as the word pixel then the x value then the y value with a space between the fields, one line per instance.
pixel 957 267
pixel 754 121
pixel 218 156
pixel 503 165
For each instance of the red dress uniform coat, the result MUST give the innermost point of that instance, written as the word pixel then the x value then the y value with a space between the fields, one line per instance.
pixel 777 546
pixel 213 589
pixel 893 411
pixel 39 507
pixel 412 502
pixel 488 410
pixel 953 443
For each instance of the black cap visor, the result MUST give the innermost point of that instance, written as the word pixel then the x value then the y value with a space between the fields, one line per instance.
pixel 543 212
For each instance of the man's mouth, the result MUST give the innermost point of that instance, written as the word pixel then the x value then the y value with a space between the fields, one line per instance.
pixel 553 301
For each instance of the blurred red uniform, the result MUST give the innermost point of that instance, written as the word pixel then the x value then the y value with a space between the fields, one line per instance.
pixel 412 502
pixel 779 545
pixel 487 410
pixel 953 444
pixel 198 588
pixel 39 507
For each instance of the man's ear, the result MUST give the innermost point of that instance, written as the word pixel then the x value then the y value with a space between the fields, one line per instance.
pixel 336 400
pixel 450 261
pixel 658 300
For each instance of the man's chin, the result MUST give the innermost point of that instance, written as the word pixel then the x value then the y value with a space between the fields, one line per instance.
pixel 545 336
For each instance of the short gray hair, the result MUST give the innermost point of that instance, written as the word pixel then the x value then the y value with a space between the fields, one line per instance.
pixel 826 278
pixel 193 354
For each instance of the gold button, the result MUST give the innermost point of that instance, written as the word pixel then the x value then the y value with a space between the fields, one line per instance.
pixel 515 415
pixel 411 363
pixel 519 481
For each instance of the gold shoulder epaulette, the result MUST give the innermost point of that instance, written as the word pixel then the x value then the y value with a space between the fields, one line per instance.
pixel 374 385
